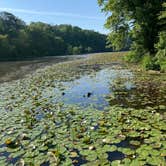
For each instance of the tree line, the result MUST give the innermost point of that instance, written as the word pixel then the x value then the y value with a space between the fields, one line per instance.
pixel 142 22
pixel 19 41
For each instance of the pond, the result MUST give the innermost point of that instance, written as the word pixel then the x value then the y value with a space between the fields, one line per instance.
pixel 83 113
pixel 110 87
pixel 91 90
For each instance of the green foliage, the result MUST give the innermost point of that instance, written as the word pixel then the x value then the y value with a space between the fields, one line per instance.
pixel 139 21
pixel 162 17
pixel 161 45
pixel 77 50
pixel 118 40
pixel 150 63
pixel 147 62
pixel 161 54
pixel 133 57
pixel 9 24
pixel 117 23
pixel 20 41
pixel 4 45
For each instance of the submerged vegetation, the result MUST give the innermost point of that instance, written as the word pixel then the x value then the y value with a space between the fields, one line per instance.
pixel 37 128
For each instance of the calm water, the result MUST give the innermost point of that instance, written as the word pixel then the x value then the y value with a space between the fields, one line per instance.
pixel 14 70
pixel 91 90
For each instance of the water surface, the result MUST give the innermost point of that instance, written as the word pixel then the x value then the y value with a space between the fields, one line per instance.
pixel 14 70
pixel 91 90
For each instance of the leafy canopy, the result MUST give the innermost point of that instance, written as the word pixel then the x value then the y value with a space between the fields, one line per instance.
pixel 133 18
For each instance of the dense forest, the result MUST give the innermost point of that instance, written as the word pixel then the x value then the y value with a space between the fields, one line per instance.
pixel 144 22
pixel 19 41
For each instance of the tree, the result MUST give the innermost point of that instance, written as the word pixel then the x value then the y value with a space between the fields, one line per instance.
pixel 162 18
pixel 89 49
pixel 10 24
pixel 76 50
pixel 43 41
pixel 5 48
pixel 136 19
pixel 20 41
pixel 161 45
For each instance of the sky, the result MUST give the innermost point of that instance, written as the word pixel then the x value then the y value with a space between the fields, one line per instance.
pixel 83 13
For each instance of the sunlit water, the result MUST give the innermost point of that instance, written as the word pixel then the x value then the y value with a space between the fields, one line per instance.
pixel 91 90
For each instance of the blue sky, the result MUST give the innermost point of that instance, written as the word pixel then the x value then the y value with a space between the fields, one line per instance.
pixel 83 13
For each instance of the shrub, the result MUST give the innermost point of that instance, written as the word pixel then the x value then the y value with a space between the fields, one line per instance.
pixel 150 63
pixel 161 53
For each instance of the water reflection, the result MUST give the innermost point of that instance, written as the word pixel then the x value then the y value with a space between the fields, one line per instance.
pixel 92 90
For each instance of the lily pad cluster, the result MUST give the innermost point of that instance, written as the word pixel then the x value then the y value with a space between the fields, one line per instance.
pixel 89 137
pixel 36 129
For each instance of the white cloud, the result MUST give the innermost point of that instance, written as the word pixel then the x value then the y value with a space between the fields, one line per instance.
pixel 51 13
